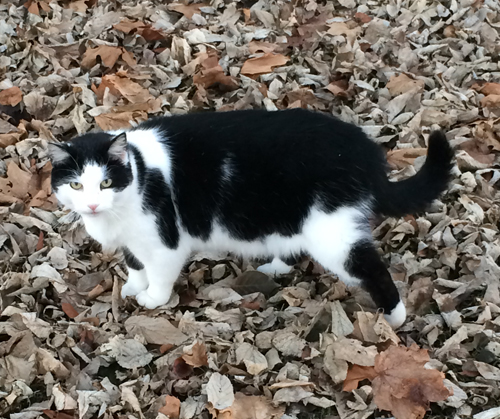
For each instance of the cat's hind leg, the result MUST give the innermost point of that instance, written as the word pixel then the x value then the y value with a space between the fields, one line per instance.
pixel 341 242
pixel 137 280
pixel 275 267
pixel 162 269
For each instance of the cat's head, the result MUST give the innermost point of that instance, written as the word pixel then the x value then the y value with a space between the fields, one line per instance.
pixel 91 172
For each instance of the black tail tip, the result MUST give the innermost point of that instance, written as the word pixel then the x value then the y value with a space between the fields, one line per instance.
pixel 440 150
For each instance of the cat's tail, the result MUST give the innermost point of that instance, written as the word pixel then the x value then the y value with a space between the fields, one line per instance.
pixel 416 193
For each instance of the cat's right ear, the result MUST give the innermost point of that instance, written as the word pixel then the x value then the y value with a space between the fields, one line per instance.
pixel 57 153
pixel 118 148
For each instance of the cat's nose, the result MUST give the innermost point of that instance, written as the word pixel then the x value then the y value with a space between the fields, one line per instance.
pixel 93 207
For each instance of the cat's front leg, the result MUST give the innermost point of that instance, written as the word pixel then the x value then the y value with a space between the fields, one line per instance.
pixel 137 280
pixel 162 270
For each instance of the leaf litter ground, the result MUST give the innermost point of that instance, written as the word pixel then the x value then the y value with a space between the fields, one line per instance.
pixel 233 343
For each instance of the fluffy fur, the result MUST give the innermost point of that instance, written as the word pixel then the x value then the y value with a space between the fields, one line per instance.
pixel 255 183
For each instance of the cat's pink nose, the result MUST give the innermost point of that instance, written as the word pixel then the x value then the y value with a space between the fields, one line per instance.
pixel 93 207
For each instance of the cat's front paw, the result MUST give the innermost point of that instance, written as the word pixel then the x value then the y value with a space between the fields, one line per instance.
pixel 145 299
pixel 131 289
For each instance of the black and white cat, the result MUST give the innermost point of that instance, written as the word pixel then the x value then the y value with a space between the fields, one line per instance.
pixel 255 183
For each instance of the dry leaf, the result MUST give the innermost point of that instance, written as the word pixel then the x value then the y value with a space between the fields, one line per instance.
pixel 403 386
pixel 108 54
pixel 254 361
pixel 122 120
pixel 155 330
pixel 143 29
pixel 254 281
pixel 123 86
pixel 69 310
pixel 220 391
pixel 196 355
pixel 404 84
pixel 254 407
pixel 129 353
pixel 187 10
pixel 212 73
pixel 11 97
pixel 356 374
pixel 172 407
pixel 401 158
pixel 264 64
pixel 487 88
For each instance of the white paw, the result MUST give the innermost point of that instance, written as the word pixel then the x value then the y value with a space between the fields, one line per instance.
pixel 397 316
pixel 276 267
pixel 145 299
pixel 131 289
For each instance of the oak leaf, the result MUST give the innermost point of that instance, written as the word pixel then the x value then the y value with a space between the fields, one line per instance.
pixel 109 56
pixel 399 159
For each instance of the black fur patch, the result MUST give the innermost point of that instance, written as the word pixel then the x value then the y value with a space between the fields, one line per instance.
pixel 283 163
pixel 141 167
pixel 158 201
pixel 131 261
pixel 365 264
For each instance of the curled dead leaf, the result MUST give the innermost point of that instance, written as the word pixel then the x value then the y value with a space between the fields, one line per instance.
pixel 172 407
pixel 11 97
pixel 196 355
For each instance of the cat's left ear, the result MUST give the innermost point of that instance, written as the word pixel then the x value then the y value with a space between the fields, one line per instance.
pixel 118 147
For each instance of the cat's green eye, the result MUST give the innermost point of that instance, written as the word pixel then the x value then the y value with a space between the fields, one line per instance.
pixel 106 183
pixel 76 185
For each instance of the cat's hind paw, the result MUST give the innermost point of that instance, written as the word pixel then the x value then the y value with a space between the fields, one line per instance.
pixel 397 316
pixel 276 267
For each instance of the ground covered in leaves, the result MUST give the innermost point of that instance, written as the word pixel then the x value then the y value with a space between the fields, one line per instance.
pixel 233 343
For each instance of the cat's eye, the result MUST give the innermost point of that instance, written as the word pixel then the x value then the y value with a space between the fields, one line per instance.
pixel 76 185
pixel 106 183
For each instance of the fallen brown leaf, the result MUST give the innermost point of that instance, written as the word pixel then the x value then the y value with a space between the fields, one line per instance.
pixel 197 357
pixel 357 373
pixel 487 88
pixel 403 386
pixel 114 121
pixel 262 65
pixel 109 56
pixel 187 10
pixel 403 84
pixel 399 159
pixel 172 407
pixel 143 29
pixel 11 97
pixel 212 73
pixel 69 310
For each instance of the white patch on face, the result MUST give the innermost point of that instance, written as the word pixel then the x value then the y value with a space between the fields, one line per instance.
pixel 90 194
